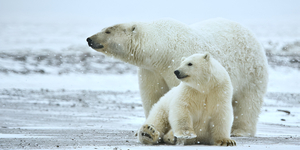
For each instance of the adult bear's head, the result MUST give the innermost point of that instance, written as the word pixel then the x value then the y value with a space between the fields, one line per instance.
pixel 116 41
pixel 152 45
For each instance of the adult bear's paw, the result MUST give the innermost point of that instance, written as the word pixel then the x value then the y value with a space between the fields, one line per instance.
pixel 239 133
pixel 225 142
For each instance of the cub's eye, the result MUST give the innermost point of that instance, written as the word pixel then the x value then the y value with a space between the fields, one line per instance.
pixel 107 32
pixel 190 64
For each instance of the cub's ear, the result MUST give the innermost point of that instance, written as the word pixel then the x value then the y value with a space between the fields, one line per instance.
pixel 183 58
pixel 206 56
pixel 134 28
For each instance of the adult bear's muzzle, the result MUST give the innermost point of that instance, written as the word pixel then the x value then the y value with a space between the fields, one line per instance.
pixel 94 45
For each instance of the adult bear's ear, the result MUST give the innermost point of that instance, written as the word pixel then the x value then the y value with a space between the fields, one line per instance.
pixel 183 58
pixel 206 56
pixel 134 28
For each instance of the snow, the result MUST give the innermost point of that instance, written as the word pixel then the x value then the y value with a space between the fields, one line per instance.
pixel 284 80
pixel 20 136
pixel 56 91
pixel 272 147
pixel 127 82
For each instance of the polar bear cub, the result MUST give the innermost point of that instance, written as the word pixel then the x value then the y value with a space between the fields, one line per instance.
pixel 198 110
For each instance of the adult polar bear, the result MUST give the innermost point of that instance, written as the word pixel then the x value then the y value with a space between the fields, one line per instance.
pixel 157 48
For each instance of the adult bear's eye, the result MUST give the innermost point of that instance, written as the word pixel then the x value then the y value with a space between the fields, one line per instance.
pixel 190 64
pixel 107 32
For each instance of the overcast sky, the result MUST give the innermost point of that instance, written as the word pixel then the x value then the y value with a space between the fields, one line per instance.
pixel 118 11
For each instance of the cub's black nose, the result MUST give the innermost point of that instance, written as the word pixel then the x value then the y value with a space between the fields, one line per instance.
pixel 177 72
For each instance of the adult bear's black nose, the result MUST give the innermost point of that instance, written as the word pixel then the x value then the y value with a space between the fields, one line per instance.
pixel 177 72
pixel 90 41
pixel 93 44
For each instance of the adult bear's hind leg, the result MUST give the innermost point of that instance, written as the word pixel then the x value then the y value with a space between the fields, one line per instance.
pixel 246 107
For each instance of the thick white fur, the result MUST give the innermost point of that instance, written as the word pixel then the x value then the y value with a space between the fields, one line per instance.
pixel 200 105
pixel 157 48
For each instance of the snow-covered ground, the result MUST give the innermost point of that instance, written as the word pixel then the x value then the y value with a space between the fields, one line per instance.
pixel 56 92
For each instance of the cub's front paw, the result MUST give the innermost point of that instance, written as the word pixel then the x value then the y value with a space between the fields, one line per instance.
pixel 169 138
pixel 225 142
pixel 185 134
pixel 148 134
pixel 182 136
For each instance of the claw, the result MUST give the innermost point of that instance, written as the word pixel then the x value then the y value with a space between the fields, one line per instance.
pixel 149 135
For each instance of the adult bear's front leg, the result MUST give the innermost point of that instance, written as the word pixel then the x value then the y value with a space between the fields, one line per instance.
pixel 152 88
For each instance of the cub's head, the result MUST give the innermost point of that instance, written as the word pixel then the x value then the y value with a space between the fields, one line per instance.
pixel 114 41
pixel 195 69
